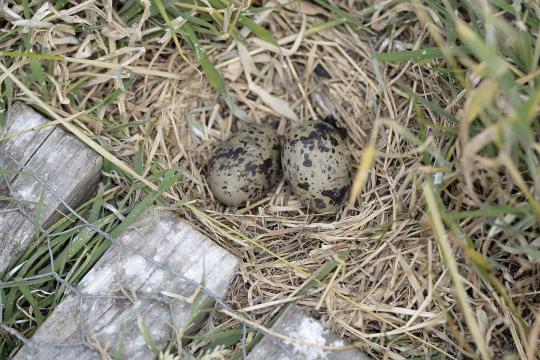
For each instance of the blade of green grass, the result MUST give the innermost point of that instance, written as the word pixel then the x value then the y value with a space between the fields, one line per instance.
pixel 497 68
pixel 145 332
pixel 423 54
pixel 340 13
pixel 32 300
pixel 258 30
pixel 429 104
pixel 36 65
pixel 451 265
pixel 225 338
pixel 492 210
pixel 213 76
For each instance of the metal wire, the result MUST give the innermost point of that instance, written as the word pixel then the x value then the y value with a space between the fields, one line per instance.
pixel 16 205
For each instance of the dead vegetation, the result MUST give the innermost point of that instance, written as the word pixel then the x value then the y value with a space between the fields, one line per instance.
pixel 392 290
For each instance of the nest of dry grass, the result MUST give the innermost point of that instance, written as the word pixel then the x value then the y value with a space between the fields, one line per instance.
pixel 390 292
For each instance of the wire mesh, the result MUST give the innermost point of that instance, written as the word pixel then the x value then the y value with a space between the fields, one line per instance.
pixel 12 202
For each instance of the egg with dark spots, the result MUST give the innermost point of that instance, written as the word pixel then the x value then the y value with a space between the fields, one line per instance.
pixel 245 166
pixel 316 162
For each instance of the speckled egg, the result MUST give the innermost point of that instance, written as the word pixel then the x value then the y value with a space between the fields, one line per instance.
pixel 245 166
pixel 317 164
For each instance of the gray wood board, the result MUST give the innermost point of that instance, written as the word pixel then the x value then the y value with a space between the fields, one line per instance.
pixel 22 145
pixel 294 323
pixel 64 163
pixel 110 319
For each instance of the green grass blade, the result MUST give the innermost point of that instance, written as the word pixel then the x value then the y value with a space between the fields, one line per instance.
pixel 258 30
pixel 424 54
pixel 213 76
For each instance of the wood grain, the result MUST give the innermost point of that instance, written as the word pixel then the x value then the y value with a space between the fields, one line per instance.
pixel 21 147
pixel 124 291
pixel 294 323
pixel 59 159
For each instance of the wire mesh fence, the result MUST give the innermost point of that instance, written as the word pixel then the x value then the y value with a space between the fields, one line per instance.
pixel 46 276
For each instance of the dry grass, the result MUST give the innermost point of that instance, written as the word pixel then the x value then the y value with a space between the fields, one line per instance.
pixel 392 293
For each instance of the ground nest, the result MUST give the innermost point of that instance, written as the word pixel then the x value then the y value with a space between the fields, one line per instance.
pixel 390 291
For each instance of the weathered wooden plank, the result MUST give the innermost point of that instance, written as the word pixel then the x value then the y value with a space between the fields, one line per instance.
pixel 21 147
pixel 294 323
pixel 109 318
pixel 63 162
